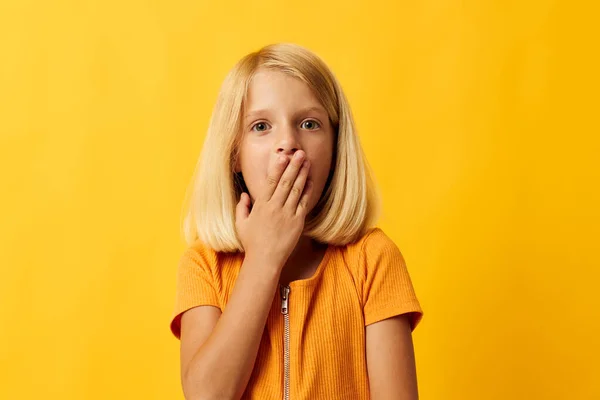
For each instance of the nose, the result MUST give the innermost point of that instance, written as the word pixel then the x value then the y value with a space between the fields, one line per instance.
pixel 287 142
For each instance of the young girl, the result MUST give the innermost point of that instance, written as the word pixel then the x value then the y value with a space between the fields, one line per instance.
pixel 286 289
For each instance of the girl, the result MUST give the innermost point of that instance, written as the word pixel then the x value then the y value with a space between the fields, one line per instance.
pixel 286 289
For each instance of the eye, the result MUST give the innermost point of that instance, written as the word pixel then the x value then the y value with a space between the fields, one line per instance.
pixel 311 124
pixel 261 126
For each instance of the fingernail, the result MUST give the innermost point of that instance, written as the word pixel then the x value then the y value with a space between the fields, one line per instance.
pixel 305 163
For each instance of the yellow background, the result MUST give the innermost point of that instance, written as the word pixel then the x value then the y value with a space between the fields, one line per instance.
pixel 480 119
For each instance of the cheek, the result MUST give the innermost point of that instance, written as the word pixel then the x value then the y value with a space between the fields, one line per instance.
pixel 252 156
pixel 319 173
pixel 321 161
pixel 254 166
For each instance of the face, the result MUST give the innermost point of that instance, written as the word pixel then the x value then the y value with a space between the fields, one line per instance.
pixel 282 116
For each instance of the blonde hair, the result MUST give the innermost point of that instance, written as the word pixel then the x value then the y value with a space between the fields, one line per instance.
pixel 350 202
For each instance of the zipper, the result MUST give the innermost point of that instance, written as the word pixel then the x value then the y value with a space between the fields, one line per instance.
pixel 285 293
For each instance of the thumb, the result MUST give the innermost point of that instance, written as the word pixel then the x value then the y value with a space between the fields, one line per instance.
pixel 241 210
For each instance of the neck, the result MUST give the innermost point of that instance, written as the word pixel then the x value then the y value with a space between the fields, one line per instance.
pixel 303 261
pixel 304 248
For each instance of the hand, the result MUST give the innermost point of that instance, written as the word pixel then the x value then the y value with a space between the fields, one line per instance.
pixel 274 225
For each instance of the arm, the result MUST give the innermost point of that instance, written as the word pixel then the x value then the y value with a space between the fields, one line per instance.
pixel 218 351
pixel 391 359
pixel 220 367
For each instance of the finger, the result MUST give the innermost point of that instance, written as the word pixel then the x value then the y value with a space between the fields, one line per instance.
pixel 303 203
pixel 288 178
pixel 298 187
pixel 242 209
pixel 274 173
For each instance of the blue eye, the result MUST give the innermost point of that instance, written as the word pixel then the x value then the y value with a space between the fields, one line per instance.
pixel 261 125
pixel 312 124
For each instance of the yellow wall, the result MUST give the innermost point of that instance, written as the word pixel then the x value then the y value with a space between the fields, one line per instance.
pixel 479 118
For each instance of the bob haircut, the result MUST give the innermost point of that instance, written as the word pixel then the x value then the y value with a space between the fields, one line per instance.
pixel 350 202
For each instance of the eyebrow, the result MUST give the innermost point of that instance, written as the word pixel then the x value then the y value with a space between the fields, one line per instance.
pixel 302 111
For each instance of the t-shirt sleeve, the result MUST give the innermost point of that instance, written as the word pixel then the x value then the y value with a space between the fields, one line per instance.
pixel 387 286
pixel 195 284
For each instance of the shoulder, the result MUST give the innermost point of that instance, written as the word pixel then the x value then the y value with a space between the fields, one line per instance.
pixel 373 241
pixel 201 255
pixel 365 253
pixel 220 267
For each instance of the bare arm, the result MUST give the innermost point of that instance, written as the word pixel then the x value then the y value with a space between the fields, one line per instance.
pixel 220 367
pixel 219 351
pixel 391 359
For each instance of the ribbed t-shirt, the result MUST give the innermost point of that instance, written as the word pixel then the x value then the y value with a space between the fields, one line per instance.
pixel 353 286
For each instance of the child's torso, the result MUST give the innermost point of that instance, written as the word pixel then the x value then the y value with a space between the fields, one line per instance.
pixel 325 336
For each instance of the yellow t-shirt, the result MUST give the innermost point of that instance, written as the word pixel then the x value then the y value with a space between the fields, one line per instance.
pixel 354 286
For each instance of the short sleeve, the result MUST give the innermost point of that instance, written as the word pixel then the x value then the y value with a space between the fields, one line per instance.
pixel 387 288
pixel 195 284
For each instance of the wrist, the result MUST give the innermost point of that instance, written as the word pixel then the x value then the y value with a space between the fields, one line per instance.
pixel 263 263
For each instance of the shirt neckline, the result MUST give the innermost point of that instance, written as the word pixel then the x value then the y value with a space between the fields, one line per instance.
pixel 318 272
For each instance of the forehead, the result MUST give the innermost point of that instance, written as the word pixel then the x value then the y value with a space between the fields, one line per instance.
pixel 274 89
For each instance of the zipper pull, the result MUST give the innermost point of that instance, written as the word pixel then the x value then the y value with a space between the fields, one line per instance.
pixel 285 292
